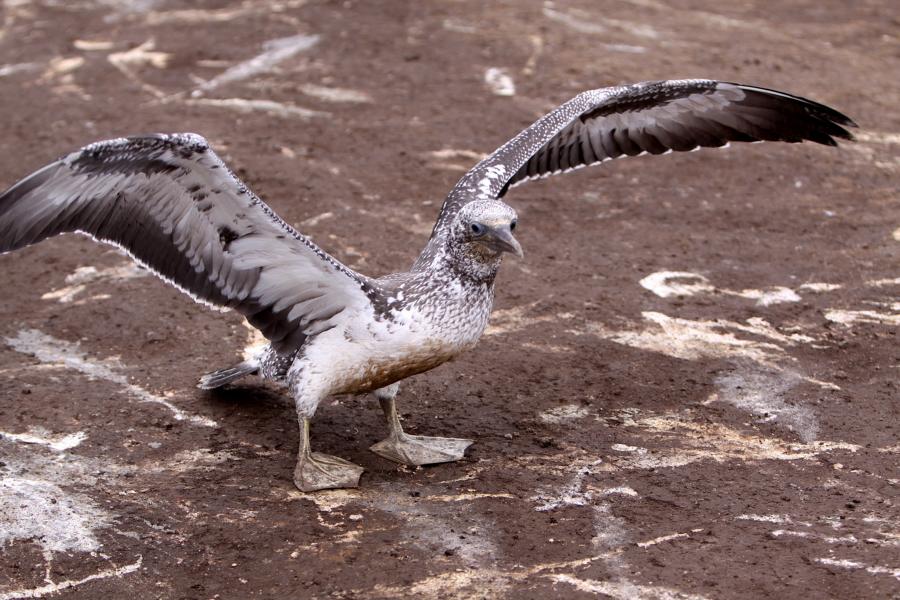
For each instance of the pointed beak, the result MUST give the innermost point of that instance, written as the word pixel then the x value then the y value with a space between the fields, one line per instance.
pixel 502 239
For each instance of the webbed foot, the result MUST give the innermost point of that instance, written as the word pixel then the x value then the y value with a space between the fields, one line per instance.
pixel 421 450
pixel 317 471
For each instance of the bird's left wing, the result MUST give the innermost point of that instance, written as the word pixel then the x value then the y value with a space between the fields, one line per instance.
pixel 644 118
pixel 172 204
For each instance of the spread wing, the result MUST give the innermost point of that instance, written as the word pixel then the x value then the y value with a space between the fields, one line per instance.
pixel 645 118
pixel 172 204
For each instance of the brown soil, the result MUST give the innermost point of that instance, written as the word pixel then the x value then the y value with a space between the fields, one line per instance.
pixel 701 445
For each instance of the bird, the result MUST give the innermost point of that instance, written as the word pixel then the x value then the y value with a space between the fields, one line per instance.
pixel 173 205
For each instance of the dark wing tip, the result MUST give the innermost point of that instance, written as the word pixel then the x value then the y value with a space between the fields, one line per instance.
pixel 828 122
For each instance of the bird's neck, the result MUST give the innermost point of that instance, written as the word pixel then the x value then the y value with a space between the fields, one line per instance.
pixel 465 265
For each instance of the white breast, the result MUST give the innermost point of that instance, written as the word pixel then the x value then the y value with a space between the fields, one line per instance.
pixel 368 353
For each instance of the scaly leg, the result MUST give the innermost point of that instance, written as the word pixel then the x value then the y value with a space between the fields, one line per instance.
pixel 314 470
pixel 317 471
pixel 413 449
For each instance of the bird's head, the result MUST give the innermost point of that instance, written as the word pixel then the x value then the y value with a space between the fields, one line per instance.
pixel 484 230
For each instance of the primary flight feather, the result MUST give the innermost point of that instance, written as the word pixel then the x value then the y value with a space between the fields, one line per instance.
pixel 174 206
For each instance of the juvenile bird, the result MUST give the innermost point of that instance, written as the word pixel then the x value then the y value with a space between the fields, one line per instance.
pixel 175 207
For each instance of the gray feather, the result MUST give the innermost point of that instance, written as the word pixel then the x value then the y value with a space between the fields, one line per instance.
pixel 171 203
pixel 652 117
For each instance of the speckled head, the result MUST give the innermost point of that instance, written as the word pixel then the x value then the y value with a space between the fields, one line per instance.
pixel 483 230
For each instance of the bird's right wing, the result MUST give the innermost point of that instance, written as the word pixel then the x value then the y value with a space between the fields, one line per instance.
pixel 653 117
pixel 172 204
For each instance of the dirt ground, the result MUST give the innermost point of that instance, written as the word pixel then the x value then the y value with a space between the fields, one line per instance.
pixel 689 388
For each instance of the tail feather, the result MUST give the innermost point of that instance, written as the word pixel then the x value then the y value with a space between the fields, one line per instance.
pixel 224 376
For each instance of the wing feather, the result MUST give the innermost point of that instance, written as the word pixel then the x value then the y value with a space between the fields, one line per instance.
pixel 171 203
pixel 653 117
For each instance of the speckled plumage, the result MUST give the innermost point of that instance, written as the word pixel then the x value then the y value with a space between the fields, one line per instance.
pixel 172 204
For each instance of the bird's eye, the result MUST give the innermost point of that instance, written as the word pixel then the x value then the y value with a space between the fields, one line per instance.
pixel 512 226
pixel 477 228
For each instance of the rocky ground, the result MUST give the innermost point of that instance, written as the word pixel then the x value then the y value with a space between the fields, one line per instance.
pixel 689 388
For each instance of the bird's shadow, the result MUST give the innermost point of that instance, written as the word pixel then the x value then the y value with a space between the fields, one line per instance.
pixel 253 396
pixel 260 401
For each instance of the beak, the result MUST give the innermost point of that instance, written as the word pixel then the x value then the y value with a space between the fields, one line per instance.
pixel 502 239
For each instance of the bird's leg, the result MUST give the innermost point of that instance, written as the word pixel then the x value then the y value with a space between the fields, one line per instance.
pixel 317 471
pixel 413 449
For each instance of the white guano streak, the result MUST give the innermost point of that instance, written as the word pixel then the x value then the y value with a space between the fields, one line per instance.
pixel 48 349
pixel 848 317
pixel 244 105
pixel 52 588
pixel 692 340
pixel 852 564
pixel 334 94
pixel 623 589
pixel 665 284
pixel 499 82
pixel 79 279
pixel 56 520
pixel 60 444
pixel 274 52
